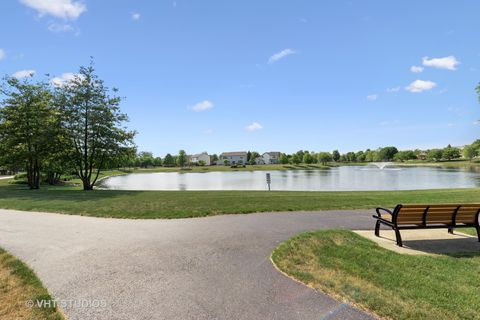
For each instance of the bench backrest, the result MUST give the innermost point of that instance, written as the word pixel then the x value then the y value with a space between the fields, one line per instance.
pixel 450 214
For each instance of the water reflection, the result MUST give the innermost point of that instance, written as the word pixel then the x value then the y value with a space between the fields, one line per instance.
pixel 336 179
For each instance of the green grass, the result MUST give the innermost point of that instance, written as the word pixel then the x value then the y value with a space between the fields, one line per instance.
pixel 392 285
pixel 18 285
pixel 183 204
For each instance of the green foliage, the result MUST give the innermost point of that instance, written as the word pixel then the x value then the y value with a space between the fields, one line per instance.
pixel 29 127
pixel 307 158
pixel 405 155
pixel 295 158
pixel 434 155
pixel 169 161
pixel 335 155
pixel 386 153
pixel 157 162
pixel 283 158
pixel 182 158
pixel 450 153
pixel 324 157
pixel 94 124
pixel 470 152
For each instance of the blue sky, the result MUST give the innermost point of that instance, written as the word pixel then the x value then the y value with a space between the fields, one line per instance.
pixel 265 75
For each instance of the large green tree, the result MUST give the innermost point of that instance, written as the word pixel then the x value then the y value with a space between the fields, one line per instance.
pixel 94 124
pixel 28 126
pixel 182 158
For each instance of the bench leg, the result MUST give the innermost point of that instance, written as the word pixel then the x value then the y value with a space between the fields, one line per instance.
pixel 377 228
pixel 399 237
pixel 450 230
pixel 478 233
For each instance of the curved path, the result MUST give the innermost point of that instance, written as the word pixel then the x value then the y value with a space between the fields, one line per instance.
pixel 200 268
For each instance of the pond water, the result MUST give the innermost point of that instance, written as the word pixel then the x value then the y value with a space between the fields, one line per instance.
pixel 346 178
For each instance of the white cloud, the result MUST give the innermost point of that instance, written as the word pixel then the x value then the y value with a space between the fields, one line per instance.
pixel 394 89
pixel 64 9
pixel 372 97
pixel 2 54
pixel 136 16
pixel 254 127
pixel 280 55
pixel 63 79
pixel 60 27
pixel 23 74
pixel 202 106
pixel 416 69
pixel 420 85
pixel 476 122
pixel 449 63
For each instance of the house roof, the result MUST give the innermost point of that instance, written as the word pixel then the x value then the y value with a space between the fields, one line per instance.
pixel 235 153
pixel 198 155
pixel 273 153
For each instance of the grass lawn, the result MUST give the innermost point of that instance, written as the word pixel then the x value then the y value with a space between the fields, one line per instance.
pixel 19 285
pixel 183 204
pixel 392 285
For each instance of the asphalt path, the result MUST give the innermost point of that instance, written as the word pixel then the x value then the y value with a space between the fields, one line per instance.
pixel 199 268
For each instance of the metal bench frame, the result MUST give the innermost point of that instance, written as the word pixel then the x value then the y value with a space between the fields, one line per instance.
pixel 394 225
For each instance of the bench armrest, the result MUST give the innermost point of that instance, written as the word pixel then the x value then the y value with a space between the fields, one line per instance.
pixel 378 210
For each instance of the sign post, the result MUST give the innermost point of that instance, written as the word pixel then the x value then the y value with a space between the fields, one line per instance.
pixel 269 180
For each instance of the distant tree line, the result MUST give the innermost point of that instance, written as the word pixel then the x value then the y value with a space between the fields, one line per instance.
pixel 147 159
pixel 50 130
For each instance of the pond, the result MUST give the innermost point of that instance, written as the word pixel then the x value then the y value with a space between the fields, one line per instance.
pixel 344 178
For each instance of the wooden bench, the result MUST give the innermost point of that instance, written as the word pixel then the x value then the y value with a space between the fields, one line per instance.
pixel 416 216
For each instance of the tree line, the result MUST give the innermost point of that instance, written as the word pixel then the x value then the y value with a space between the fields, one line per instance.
pixel 147 159
pixel 50 130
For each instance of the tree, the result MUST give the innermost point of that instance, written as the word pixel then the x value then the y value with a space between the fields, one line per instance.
pixel 405 155
pixel 182 158
pixel 168 161
pixel 360 155
pixel 157 161
pixel 307 158
pixel 335 155
pixel 386 153
pixel 451 153
pixel 324 157
pixel 434 155
pixel 295 159
pixel 351 156
pixel 253 157
pixel 94 124
pixel 145 159
pixel 29 127
pixel 469 152
pixel 283 158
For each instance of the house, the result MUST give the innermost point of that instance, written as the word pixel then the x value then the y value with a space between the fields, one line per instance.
pixel 271 157
pixel 200 158
pixel 259 160
pixel 231 158
pixel 422 156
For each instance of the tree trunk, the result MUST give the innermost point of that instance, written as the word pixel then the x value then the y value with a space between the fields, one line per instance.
pixel 33 174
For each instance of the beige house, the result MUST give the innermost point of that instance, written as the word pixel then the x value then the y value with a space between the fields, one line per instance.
pixel 271 157
pixel 231 158
pixel 196 158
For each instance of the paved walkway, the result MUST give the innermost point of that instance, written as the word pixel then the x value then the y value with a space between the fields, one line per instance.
pixel 200 268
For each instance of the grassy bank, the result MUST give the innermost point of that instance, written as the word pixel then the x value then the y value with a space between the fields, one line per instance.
pixel 392 285
pixel 182 204
pixel 18 287
pixel 263 167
